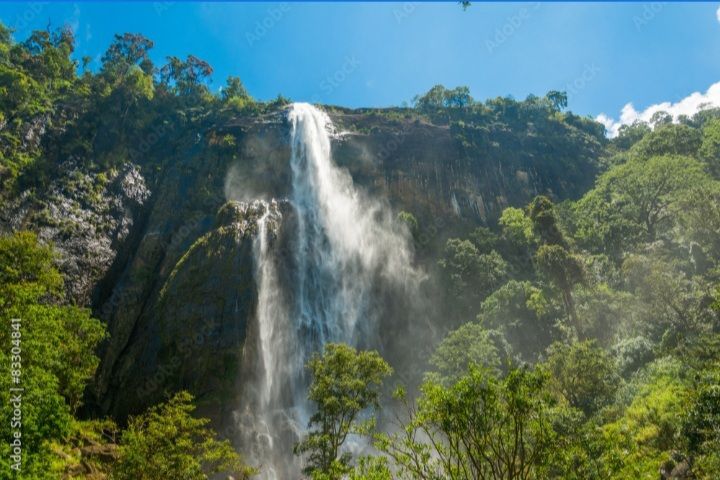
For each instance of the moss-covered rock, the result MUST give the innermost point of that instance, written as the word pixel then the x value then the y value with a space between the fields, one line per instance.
pixel 193 333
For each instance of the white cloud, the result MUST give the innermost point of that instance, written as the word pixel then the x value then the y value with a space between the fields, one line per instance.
pixel 717 13
pixel 687 106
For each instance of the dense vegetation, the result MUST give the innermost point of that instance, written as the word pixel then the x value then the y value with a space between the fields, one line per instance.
pixel 587 343
pixel 53 110
pixel 583 336
pixel 54 113
pixel 54 354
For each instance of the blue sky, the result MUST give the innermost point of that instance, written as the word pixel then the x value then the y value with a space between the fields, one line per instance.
pixel 381 54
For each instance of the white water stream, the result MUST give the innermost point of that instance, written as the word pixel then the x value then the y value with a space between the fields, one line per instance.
pixel 344 245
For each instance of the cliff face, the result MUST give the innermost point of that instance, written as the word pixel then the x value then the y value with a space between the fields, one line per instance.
pixel 189 328
pixel 88 217
pixel 428 169
pixel 172 273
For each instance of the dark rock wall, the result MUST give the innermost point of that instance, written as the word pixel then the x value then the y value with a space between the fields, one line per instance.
pixel 173 279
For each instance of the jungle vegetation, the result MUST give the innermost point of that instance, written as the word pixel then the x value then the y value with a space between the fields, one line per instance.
pixel 583 336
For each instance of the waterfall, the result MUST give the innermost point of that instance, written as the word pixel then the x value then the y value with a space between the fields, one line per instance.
pixel 344 246
pixel 344 240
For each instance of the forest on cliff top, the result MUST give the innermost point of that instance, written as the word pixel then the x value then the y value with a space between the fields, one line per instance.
pixel 583 334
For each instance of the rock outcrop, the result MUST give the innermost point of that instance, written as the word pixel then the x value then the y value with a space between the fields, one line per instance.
pixel 171 272
pixel 86 216
pixel 191 331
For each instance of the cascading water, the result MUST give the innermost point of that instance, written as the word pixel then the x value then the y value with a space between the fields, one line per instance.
pixel 344 240
pixel 343 246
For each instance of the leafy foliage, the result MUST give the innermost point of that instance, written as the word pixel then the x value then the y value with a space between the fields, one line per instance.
pixel 168 442
pixel 584 341
pixel 638 201
pixel 584 374
pixel 470 275
pixel 54 344
pixel 471 344
pixel 480 427
pixel 57 359
pixel 617 309
pixel 345 384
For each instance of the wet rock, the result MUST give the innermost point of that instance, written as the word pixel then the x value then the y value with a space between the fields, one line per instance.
pixel 192 333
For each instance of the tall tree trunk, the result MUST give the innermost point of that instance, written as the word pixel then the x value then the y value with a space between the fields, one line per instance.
pixel 571 312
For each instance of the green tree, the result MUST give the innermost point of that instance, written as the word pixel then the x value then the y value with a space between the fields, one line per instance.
pixel 235 94
pixel 584 374
pixel 524 314
pixel 432 99
pixel 698 213
pixel 516 226
pixel 470 276
pixel 669 139
pixel 632 353
pixel 480 427
pixel 458 97
pixel 518 241
pixel 636 201
pixel 558 100
pixel 126 51
pixel 470 344
pixel 36 78
pixel 629 135
pixel 669 305
pixel 346 383
pixel 128 72
pixel 371 468
pixel 565 271
pixel 709 150
pixel 409 220
pixel 484 239
pixel 234 89
pixel 57 345
pixel 603 312
pixel 702 425
pixel 541 212
pixel 646 432
pixel 660 118
pixel 440 97
pixel 47 57
pixel 168 442
pixel 186 77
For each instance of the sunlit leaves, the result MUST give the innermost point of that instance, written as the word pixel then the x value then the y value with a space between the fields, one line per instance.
pixel 168 442
pixel 346 382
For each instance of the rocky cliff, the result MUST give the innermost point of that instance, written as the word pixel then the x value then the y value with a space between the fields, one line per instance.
pixel 167 262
